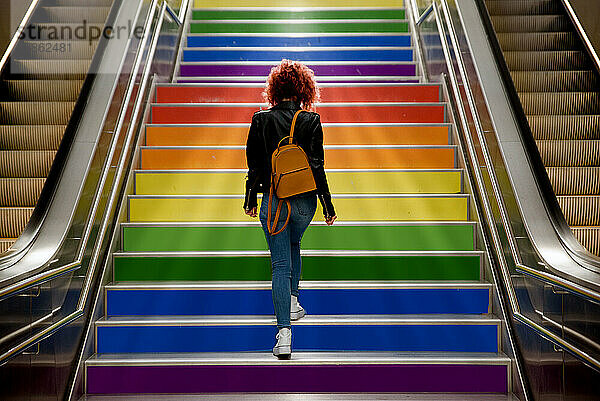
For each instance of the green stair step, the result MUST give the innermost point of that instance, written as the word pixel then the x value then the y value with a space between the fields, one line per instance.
pixel 315 266
pixel 320 27
pixel 250 237
pixel 308 14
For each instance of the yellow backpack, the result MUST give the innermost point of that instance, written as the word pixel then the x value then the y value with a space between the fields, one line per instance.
pixel 290 175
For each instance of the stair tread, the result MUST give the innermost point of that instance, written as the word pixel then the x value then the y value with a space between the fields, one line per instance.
pixel 309 396
pixel 313 223
pixel 390 284
pixel 300 358
pixel 261 320
pixel 304 252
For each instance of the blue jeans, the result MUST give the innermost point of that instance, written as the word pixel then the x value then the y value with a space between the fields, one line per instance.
pixel 286 264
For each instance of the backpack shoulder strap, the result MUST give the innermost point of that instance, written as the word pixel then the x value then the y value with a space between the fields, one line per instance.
pixel 294 125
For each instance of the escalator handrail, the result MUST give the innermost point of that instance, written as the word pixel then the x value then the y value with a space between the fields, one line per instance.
pixel 579 254
pixel 29 234
pixel 16 36
pixel 582 33
pixel 114 191
pixel 499 253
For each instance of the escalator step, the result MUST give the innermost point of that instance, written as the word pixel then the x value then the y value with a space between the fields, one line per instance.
pixel 546 60
pixel 554 81
pixel 589 237
pixel 6 243
pixel 20 192
pixel 537 41
pixel 575 180
pixel 98 3
pixel 539 7
pixel 31 137
pixel 25 163
pixel 570 153
pixel 58 50
pixel 78 13
pixel 530 23
pixel 560 103
pixel 13 220
pixel 37 113
pixel 53 69
pixel 580 210
pixel 565 127
pixel 43 90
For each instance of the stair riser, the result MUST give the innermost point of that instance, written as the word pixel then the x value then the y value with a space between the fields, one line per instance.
pixel 391 158
pixel 544 61
pixel 332 135
pixel 427 182
pixel 55 50
pixel 192 114
pixel 42 91
pixel 294 3
pixel 297 379
pixel 308 14
pixel 524 7
pixel 377 238
pixel 412 208
pixel 537 41
pixel 432 268
pixel 295 41
pixel 31 137
pixel 302 55
pixel 233 94
pixel 79 14
pixel 303 27
pixel 362 70
pixel 531 23
pixel 13 221
pixel 321 80
pixel 565 127
pixel 316 302
pixel 417 337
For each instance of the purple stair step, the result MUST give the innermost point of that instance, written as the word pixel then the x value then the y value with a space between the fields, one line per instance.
pixel 322 81
pixel 228 70
pixel 393 372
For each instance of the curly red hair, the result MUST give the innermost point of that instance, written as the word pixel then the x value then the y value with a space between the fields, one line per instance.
pixel 292 80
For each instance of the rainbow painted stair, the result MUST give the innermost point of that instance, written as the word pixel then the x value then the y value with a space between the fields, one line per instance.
pixel 394 291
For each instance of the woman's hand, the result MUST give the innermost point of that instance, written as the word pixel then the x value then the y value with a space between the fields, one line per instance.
pixel 251 212
pixel 329 220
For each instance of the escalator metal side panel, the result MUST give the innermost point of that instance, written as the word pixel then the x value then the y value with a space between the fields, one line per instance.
pixel 531 206
pixel 68 192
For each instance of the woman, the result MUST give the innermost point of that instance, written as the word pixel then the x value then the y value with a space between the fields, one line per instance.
pixel 290 87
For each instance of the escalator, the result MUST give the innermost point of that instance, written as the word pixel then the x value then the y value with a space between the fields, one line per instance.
pixel 39 87
pixel 559 90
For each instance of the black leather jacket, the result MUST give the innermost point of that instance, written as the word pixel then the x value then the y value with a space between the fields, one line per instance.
pixel 267 129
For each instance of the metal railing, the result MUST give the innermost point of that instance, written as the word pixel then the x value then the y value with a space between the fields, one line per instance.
pixel 461 85
pixel 121 142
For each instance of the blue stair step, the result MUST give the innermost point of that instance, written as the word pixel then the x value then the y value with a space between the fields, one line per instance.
pixel 446 333
pixel 318 298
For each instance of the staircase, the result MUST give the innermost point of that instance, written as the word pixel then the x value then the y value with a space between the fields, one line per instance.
pixel 38 91
pixel 395 293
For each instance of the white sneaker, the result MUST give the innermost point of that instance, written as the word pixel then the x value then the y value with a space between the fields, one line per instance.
pixel 283 348
pixel 296 311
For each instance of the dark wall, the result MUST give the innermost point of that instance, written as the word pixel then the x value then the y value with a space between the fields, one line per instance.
pixel 588 12
pixel 11 13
